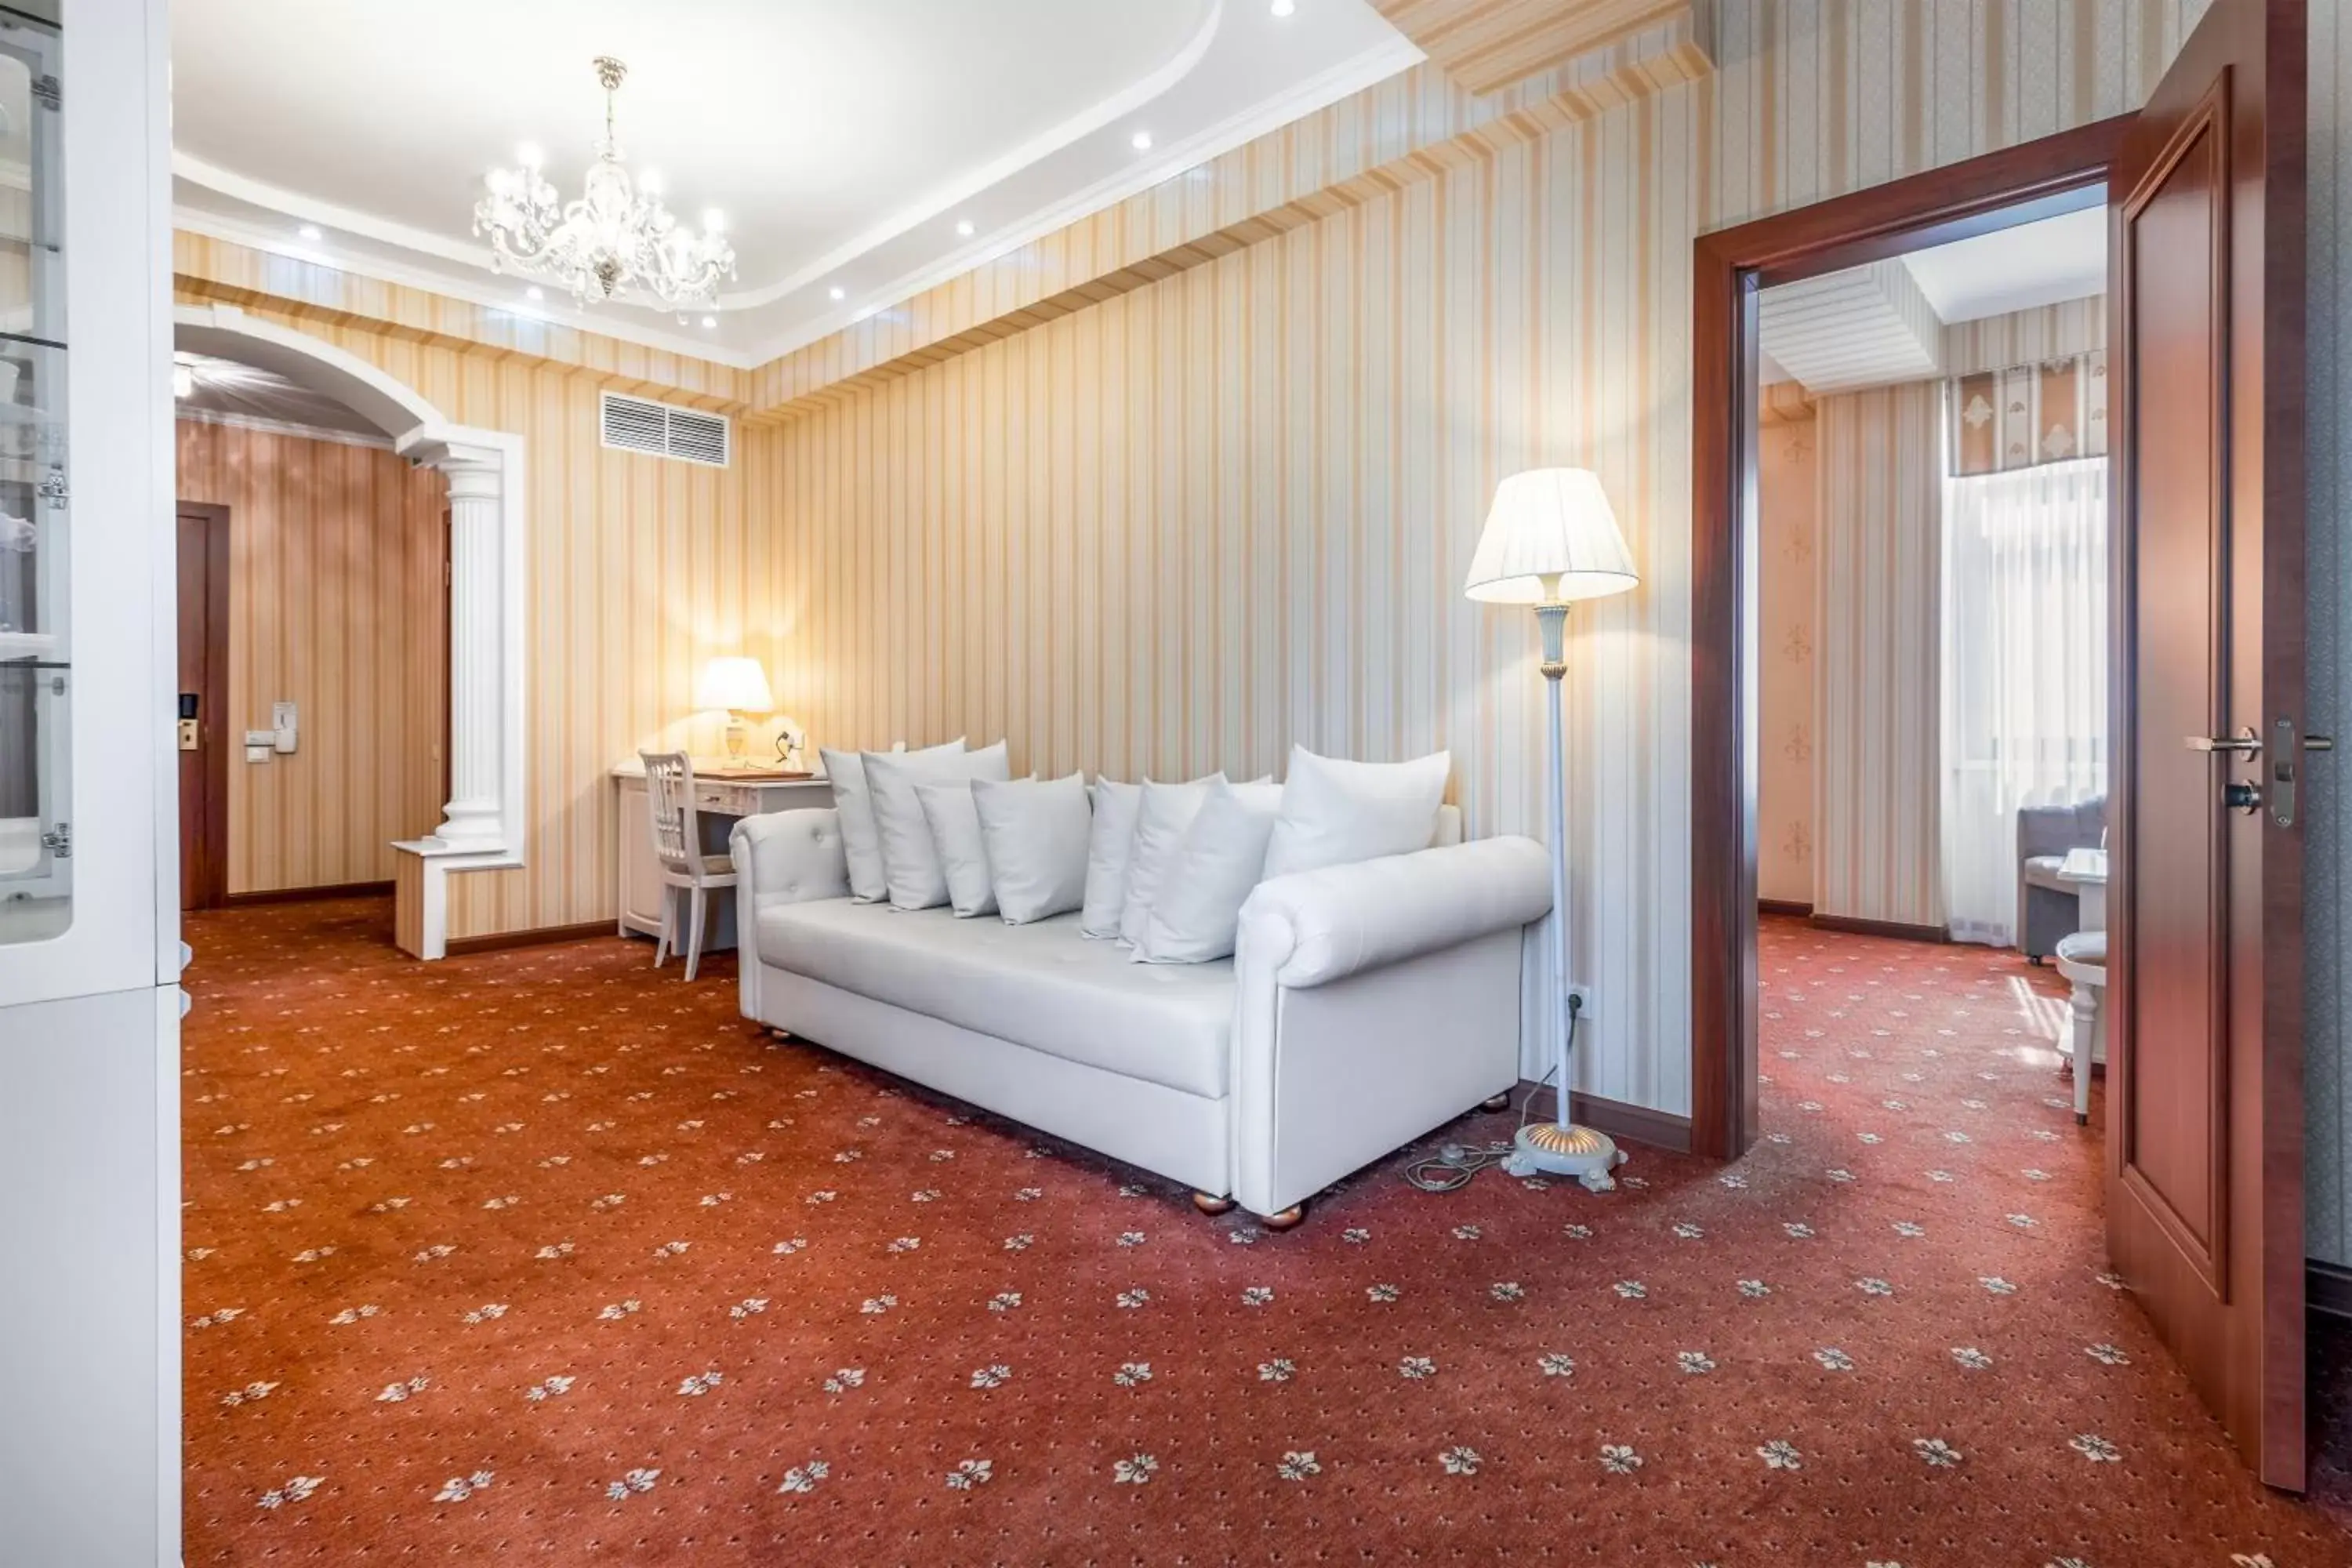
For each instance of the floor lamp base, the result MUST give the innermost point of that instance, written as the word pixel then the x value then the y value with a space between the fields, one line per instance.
pixel 1579 1151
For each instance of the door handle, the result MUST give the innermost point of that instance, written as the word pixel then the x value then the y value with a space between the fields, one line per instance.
pixel 2245 742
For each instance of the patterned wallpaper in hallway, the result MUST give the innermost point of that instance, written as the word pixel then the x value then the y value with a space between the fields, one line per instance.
pixel 1787 478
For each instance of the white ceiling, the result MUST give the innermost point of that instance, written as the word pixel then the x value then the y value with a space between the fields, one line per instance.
pixel 844 140
pixel 1882 323
pixel 2034 264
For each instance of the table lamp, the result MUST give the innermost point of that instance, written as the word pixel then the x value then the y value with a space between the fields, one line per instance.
pixel 741 687
pixel 1552 539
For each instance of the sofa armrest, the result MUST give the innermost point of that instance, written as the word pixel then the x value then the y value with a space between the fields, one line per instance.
pixel 789 857
pixel 1316 927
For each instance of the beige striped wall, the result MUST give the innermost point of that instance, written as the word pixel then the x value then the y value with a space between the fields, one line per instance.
pixel 1877 665
pixel 335 604
pixel 637 569
pixel 1787 507
pixel 1232 507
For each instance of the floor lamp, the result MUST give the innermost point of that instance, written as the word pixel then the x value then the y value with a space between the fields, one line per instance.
pixel 1550 539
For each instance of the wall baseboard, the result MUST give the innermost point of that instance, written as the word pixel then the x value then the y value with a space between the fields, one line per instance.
pixel 1797 906
pixel 1896 929
pixel 538 936
pixel 306 895
pixel 1626 1123
pixel 2328 1288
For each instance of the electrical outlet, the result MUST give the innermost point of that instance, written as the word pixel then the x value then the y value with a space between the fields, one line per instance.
pixel 1583 996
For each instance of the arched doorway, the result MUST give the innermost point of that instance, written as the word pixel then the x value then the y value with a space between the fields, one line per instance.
pixel 481 822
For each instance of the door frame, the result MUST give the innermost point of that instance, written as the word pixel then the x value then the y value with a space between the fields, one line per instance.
pixel 2000 190
pixel 211 889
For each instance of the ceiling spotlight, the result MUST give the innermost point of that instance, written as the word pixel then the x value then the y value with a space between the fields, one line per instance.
pixel 713 221
pixel 838 293
pixel 650 181
pixel 529 155
pixel 310 231
pixel 1140 140
pixel 964 228
pixel 535 293
pixel 709 320
pixel 1285 7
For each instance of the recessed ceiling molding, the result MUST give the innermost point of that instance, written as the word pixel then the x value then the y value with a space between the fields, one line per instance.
pixel 1351 76
pixel 1078 128
pixel 1489 45
pixel 1869 326
pixel 492 291
pixel 302 207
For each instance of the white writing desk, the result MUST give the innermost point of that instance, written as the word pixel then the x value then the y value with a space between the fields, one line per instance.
pixel 720 798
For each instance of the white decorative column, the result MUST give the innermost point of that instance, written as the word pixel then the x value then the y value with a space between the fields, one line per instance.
pixel 474 819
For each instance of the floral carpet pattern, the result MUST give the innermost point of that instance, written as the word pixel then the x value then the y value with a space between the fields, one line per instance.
pixel 545 1256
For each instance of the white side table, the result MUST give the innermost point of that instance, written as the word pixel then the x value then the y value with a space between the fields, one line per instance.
pixel 2085 871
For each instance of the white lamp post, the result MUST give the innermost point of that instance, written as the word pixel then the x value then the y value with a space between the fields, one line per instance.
pixel 1552 539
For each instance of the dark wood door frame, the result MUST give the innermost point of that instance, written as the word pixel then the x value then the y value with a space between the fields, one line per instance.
pixel 212 717
pixel 2017 185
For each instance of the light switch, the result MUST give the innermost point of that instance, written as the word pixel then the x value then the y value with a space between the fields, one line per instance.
pixel 256 753
pixel 262 738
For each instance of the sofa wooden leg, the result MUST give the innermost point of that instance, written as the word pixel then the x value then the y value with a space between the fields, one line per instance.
pixel 1497 1101
pixel 1287 1219
pixel 1209 1204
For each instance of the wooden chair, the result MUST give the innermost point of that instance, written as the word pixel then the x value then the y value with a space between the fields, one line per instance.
pixel 677 848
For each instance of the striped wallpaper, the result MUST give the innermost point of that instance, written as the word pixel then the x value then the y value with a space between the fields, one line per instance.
pixel 1877 665
pixel 336 604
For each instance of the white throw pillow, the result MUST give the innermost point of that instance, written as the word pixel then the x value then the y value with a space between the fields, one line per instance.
pixel 1162 815
pixel 963 857
pixel 861 842
pixel 1036 832
pixel 1109 848
pixel 1198 908
pixel 910 857
pixel 1336 813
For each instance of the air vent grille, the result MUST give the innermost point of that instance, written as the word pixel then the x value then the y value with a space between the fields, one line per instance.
pixel 641 425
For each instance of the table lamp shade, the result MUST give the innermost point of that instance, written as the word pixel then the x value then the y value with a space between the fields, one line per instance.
pixel 1546 524
pixel 738 685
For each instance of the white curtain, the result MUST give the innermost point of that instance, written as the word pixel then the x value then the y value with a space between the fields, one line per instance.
pixel 2025 671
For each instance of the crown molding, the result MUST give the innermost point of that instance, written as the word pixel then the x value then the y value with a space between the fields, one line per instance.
pixel 1351 76
pixel 499 300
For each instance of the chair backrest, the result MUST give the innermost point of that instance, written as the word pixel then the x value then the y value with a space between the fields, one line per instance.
pixel 669 791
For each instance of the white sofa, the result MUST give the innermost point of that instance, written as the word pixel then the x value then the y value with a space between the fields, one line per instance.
pixel 1366 1004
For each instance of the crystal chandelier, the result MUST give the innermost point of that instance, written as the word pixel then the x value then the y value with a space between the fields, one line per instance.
pixel 616 236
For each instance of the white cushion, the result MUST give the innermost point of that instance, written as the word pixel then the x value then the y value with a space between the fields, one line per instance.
pixel 1040 986
pixel 861 842
pixel 1037 834
pixel 1162 815
pixel 963 857
pixel 1220 858
pixel 1334 813
pixel 910 858
pixel 1109 848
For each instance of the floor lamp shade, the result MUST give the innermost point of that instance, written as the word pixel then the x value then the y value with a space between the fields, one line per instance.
pixel 1548 526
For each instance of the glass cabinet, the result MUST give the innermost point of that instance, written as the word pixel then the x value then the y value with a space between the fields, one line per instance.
pixel 35 523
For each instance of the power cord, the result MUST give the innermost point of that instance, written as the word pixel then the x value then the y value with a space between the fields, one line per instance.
pixel 1455 1165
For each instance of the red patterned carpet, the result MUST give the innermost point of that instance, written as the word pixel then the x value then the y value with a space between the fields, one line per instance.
pixel 544 1257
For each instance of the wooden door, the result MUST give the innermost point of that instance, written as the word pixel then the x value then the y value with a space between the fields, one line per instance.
pixel 2205 1112
pixel 204 687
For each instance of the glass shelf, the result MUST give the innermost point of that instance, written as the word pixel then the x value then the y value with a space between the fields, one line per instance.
pixel 36 537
